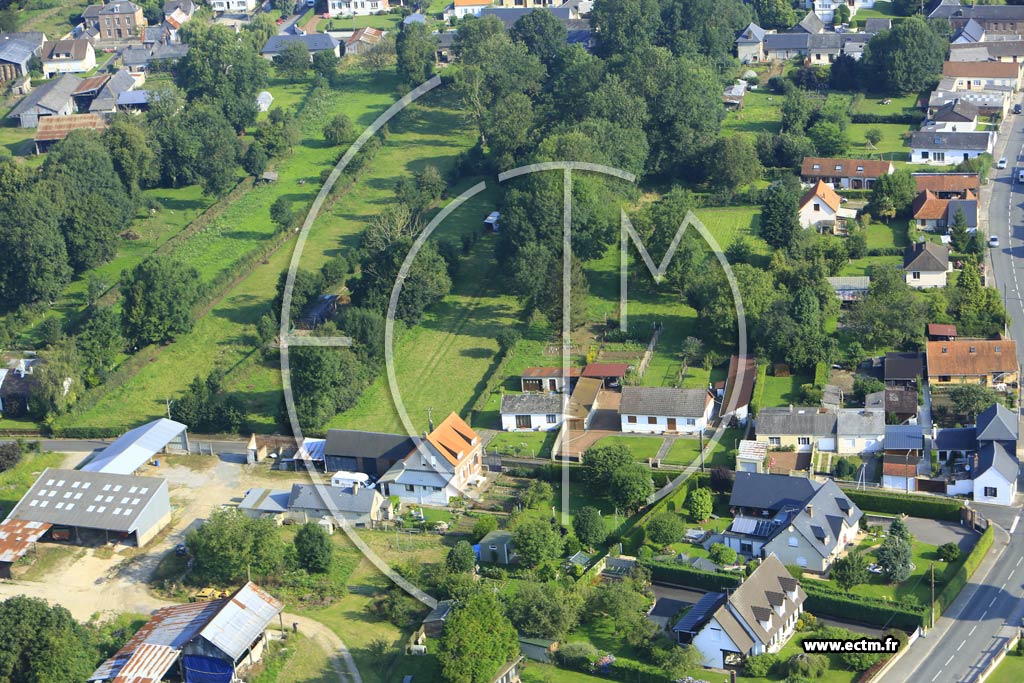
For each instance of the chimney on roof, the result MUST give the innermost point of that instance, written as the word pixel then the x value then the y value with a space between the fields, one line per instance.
pixel 791 407
pixel 430 418
pixel 355 488
pixel 810 511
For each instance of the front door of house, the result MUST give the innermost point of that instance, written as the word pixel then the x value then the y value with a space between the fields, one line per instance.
pixel 671 424
pixel 552 384
pixel 523 422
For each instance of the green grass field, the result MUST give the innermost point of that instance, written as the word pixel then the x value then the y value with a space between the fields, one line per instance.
pixel 863 266
pixel 892 146
pixel 225 337
pixel 1011 670
pixel 761 113
pixel 533 444
pixel 897 105
pixel 684 451
pixel 783 391
pixel 52 17
pixel 642 447
pixel 880 235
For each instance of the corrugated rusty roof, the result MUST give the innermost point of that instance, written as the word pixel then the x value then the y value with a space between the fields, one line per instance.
pixel 58 127
pixel 17 536
pixel 242 619
pixel 148 664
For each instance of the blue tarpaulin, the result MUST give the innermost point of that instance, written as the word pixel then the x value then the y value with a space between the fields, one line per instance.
pixel 476 550
pixel 206 670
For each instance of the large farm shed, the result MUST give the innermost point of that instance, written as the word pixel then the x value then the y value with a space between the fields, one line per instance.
pixel 96 507
pixel 204 642
pixel 134 448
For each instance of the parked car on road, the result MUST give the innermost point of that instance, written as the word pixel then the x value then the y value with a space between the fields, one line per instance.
pixel 1001 163
pixel 993 241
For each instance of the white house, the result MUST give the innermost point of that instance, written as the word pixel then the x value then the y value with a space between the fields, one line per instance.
pixel 826 9
pixel 983 75
pixel 461 8
pixel 67 57
pixel 758 617
pixel 926 264
pixel 750 44
pixel 944 149
pixel 531 412
pixel 442 466
pixel 900 471
pixel 657 410
pixel 820 207
pixel 351 8
pixel 956 116
pixel 548 379
pixel 233 6
pixel 859 431
pixel 802 429
pixel 995 479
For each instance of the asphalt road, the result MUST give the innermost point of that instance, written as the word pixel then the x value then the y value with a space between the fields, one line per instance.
pixel 1006 221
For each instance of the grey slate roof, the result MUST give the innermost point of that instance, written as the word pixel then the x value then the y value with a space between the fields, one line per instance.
pixel 994 48
pixel 876 25
pixel 751 35
pixel 973 141
pixel 265 500
pixel 996 423
pixel 107 99
pixel 353 443
pixel 663 401
pixel 134 55
pixel 948 9
pixel 830 511
pixel 331 498
pixel 169 51
pixel 860 422
pixel 510 15
pixel 94 500
pixel 701 613
pixel 798 421
pixel 34 38
pixel 531 404
pixel 825 41
pixel 968 206
pixel 995 454
pixel 958 111
pixel 16 51
pixel 770 491
pixel 118 7
pixel 903 437
pixel 901 366
pixel 314 42
pixel 956 439
pixel 758 592
pixel 971 32
pixel 786 41
pixel 52 96
pixel 926 257
pixel 811 23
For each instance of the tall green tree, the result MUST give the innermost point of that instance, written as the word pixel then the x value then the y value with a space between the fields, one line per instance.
pixel 699 503
pixel 327 381
pixel 35 266
pixel 777 14
pixel 536 541
pixel 158 296
pixel 733 163
pixel 894 556
pixel 415 47
pixel 971 399
pixel 544 610
pixel 624 25
pixel 542 34
pixel 892 194
pixel 477 640
pixel 888 291
pixel 100 342
pixel 906 59
pixel 599 462
pixel 780 218
pixel 229 546
pixel 132 151
pixel 43 643
pixel 58 383
pixel 631 485
pixel 958 235
pixel 292 63
pixel 589 526
pixel 851 570
pixel 313 548
pixel 461 559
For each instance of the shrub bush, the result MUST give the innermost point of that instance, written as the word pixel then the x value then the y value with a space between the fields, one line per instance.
pixel 722 554
pixel 578 656
pixel 666 528
pixel 949 552
pixel 807 665
pixel 759 666
pixel 874 611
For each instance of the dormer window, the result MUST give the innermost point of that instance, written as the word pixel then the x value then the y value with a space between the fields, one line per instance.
pixel 945 350
pixel 972 349
pixel 816 167
pixel 998 349
pixel 839 167
pixel 860 169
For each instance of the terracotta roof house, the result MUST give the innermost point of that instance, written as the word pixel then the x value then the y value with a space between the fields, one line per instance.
pixel 925 265
pixel 929 211
pixel 821 208
pixel 849 174
pixel 611 374
pixel 739 387
pixel 983 74
pixel 802 521
pixel 991 362
pixel 548 379
pixel 900 471
pixel 661 410
pixel 53 129
pixel 443 465
pixel 947 185
pixel 758 617
pixel 941 332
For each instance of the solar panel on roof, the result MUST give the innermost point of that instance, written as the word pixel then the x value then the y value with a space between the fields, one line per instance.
pixel 699 612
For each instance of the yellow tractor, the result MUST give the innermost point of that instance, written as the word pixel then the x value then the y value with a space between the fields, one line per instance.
pixel 206 594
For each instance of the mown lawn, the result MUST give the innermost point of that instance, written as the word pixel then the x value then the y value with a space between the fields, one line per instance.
pixel 897 105
pixel 643 448
pixel 684 451
pixel 1011 670
pixel 52 17
pixel 784 391
pixel 863 266
pixel 892 146
pixel 532 444
pixel 880 235
pixel 761 113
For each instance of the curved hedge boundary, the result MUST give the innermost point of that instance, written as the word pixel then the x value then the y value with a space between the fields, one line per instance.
pixel 685 575
pixel 956 582
pixel 930 507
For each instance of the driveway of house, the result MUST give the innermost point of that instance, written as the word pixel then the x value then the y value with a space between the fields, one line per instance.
pixel 934 532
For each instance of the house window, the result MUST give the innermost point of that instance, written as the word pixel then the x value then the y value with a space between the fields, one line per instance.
pixel 631 419
pixel 774 441
pixel 924 154
pixel 817 206
pixel 938 156
pixel 793 542
pixel 523 422
pixel 860 169
pixel 690 422
pixel 801 561
pixel 990 492
pixel 943 378
pixel 916 275
pixel 652 420
pixel 746 547
pixel 804 440
pixel 971 349
pixel 552 418
pixel 410 488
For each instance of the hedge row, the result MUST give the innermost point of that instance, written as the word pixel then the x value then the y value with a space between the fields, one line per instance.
pixel 962 574
pixel 633 534
pixel 631 671
pixel 886 251
pixel 847 606
pixel 905 118
pixel 685 575
pixel 930 507
pixel 759 382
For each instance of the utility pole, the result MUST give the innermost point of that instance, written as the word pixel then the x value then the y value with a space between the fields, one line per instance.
pixel 701 450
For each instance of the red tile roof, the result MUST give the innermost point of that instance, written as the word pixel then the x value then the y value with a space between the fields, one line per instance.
pixel 946 182
pixel 454 439
pixel 981 69
pixel 929 207
pixel 900 465
pixel 823 192
pixel 941 330
pixel 605 370
pixel 971 357
pixel 820 167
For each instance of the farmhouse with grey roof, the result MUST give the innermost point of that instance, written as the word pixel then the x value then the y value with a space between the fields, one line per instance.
pixel 531 412
pixel 802 428
pixel 657 410
pixel 54 98
pixel 314 42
